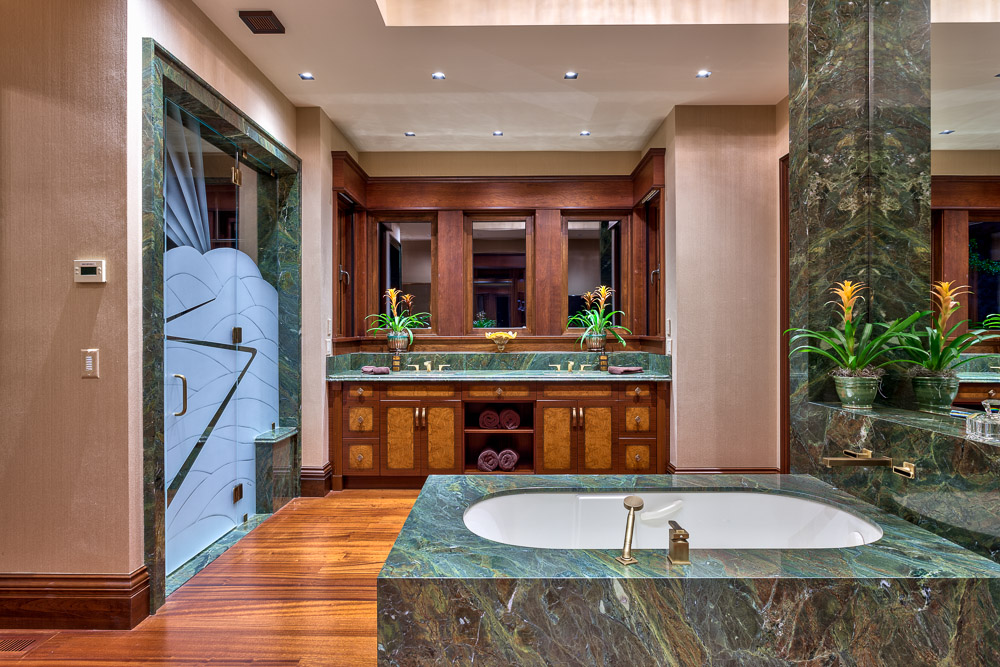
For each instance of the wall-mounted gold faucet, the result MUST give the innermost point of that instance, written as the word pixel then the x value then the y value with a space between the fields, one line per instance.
pixel 633 504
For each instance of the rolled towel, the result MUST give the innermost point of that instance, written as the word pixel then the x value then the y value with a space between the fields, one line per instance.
pixel 509 419
pixel 375 370
pixel 488 460
pixel 508 460
pixel 489 419
pixel 624 370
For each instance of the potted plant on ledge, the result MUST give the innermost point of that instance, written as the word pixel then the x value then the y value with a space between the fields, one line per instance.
pixel 597 321
pixel 399 321
pixel 856 350
pixel 935 383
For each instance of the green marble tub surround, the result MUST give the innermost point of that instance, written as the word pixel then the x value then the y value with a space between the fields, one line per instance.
pixel 447 596
pixel 493 366
pixel 956 493
pixel 278 457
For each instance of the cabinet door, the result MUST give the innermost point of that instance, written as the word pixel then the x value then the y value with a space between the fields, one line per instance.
pixel 596 437
pixel 441 423
pixel 555 437
pixel 401 433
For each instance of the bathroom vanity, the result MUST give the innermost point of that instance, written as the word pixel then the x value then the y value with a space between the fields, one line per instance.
pixel 415 423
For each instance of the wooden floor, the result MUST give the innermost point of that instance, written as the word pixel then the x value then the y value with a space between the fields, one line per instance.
pixel 298 590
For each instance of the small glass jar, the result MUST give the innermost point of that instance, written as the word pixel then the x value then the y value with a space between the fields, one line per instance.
pixel 986 426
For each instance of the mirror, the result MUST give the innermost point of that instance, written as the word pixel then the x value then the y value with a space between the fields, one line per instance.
pixel 593 259
pixel 499 261
pixel 406 262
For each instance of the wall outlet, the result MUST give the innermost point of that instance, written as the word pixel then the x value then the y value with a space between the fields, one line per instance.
pixel 91 361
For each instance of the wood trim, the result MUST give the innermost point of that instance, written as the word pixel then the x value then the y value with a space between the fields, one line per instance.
pixel 74 601
pixel 350 178
pixel 950 254
pixel 493 193
pixel 649 174
pixel 525 342
pixel 965 192
pixel 551 277
pixel 674 470
pixel 784 377
pixel 317 481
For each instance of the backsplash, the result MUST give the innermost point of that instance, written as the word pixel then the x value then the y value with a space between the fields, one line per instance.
pixel 493 361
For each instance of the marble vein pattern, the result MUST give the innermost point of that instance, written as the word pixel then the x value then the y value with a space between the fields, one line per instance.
pixel 447 596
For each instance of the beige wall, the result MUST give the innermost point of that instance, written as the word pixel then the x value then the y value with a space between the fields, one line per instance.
pixel 725 335
pixel 965 163
pixel 500 163
pixel 64 457
pixel 965 11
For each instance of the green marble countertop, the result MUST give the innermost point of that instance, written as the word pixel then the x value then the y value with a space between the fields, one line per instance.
pixel 435 543
pixel 980 377
pixel 411 375
pixel 276 435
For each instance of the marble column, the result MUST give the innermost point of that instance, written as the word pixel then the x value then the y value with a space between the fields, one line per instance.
pixel 859 106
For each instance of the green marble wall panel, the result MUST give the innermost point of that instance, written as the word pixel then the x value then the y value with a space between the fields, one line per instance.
pixel 279 223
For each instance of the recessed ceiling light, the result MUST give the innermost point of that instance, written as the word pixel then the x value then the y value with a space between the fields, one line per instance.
pixel 497 133
pixel 306 76
pixel 585 133
pixel 946 132
pixel 703 74
pixel 409 134
pixel 571 75
pixel 437 75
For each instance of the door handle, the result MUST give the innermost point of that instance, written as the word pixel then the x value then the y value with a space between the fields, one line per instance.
pixel 344 273
pixel 657 272
pixel 572 421
pixel 423 413
pixel 184 391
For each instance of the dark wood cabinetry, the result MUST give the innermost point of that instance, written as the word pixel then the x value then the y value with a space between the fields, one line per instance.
pixel 409 430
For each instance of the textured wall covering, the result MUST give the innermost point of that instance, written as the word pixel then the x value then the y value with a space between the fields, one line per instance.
pixel 278 224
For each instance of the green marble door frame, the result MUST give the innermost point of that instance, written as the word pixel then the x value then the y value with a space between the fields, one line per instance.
pixel 859 161
pixel 279 260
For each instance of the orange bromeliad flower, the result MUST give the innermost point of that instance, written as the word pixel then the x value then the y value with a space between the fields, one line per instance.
pixel 392 295
pixel 945 298
pixel 408 300
pixel 588 299
pixel 849 293
pixel 603 294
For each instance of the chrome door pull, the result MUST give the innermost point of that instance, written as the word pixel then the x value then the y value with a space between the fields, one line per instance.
pixel 184 390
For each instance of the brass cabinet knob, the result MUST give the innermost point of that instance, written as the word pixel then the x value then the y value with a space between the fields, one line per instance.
pixel 638 419
pixel 361 391
pixel 361 420
pixel 638 391
pixel 360 458
pixel 499 391
pixel 638 458
pixel 991 393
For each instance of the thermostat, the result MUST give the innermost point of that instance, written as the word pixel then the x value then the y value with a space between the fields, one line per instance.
pixel 89 271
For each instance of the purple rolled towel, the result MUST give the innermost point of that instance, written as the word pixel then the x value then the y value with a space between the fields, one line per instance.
pixel 375 370
pixel 489 419
pixel 509 419
pixel 488 460
pixel 624 370
pixel 508 460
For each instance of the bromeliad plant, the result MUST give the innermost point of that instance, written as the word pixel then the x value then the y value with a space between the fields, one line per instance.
pixel 399 319
pixel 856 349
pixel 595 319
pixel 930 348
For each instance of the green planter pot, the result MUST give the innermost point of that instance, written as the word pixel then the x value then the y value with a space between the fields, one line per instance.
pixel 596 342
pixel 935 393
pixel 398 341
pixel 856 392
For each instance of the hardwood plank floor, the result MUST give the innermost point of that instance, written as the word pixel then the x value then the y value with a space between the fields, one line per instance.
pixel 297 591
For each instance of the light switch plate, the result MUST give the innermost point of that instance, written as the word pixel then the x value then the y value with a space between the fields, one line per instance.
pixel 91 366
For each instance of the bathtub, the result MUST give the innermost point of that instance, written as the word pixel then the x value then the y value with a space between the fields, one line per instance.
pixel 727 520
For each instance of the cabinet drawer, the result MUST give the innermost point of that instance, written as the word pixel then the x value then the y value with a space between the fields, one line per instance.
pixel 576 390
pixel 415 390
pixel 638 419
pixel 498 391
pixel 974 392
pixel 638 455
pixel 360 393
pixel 361 457
pixel 361 419
pixel 638 392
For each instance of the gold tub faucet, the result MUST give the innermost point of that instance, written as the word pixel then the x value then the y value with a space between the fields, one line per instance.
pixel 852 459
pixel 633 504
pixel 678 553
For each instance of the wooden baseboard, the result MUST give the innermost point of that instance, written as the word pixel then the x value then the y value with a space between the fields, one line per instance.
pixel 387 482
pixel 316 481
pixel 74 601
pixel 674 470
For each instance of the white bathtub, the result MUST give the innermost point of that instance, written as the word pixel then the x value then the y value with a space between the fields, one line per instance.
pixel 715 520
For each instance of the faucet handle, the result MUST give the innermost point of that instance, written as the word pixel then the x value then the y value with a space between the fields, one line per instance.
pixel 558 367
pixel 582 366
pixel 415 367
pixel 441 367
pixel 633 503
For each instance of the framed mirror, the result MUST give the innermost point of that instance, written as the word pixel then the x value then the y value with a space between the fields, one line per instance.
pixel 406 262
pixel 499 273
pixel 593 259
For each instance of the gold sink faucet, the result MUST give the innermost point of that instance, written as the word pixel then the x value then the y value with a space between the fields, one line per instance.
pixel 427 366
pixel 633 504
pixel 569 367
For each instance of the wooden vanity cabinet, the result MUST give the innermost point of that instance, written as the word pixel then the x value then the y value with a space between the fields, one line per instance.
pixel 575 436
pixel 972 394
pixel 421 437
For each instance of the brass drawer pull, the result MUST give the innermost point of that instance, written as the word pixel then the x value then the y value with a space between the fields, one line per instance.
pixel 360 458
pixel 361 420
pixel 361 391
pixel 423 416
pixel 991 393
pixel 499 392
pixel 572 421
pixel 638 391
pixel 638 458
pixel 638 420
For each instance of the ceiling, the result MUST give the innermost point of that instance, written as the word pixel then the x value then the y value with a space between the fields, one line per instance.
pixel 374 81
pixel 965 92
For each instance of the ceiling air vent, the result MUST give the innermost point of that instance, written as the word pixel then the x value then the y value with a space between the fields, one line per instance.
pixel 263 22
